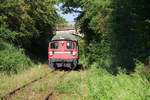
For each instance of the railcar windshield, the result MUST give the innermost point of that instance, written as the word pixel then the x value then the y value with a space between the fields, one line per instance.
pixel 54 45
pixel 70 45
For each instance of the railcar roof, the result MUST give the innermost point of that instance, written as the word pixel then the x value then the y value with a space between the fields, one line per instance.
pixel 65 37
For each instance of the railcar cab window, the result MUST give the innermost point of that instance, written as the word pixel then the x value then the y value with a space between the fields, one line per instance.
pixel 70 45
pixel 54 45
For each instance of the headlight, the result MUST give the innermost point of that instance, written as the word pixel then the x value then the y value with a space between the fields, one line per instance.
pixel 74 53
pixel 51 54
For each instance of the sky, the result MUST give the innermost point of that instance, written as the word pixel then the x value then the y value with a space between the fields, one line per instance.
pixel 69 17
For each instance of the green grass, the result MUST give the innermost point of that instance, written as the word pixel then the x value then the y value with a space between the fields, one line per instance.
pixel 69 88
pixel 98 84
pixel 40 86
pixel 92 84
pixel 8 83
pixel 13 59
pixel 71 85
pixel 104 86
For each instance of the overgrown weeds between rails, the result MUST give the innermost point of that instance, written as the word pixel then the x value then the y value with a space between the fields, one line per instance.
pixel 99 84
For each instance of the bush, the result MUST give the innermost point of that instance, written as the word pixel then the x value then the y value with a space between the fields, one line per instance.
pixel 7 34
pixel 83 57
pixel 13 59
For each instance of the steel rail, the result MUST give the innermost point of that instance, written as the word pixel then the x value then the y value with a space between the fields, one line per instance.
pixel 6 96
pixel 60 80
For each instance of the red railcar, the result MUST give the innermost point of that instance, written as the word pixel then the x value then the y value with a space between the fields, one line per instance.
pixel 63 51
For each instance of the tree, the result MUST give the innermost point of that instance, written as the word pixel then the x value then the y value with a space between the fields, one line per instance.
pixel 31 20
pixel 116 29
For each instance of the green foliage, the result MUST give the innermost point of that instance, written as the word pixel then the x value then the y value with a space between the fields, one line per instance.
pixel 98 84
pixel 28 17
pixel 13 59
pixel 25 24
pixel 83 57
pixel 69 5
pixel 6 34
pixel 129 37
pixel 28 23
pixel 104 86
pixel 117 30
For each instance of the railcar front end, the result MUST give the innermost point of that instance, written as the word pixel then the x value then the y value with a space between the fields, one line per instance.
pixel 63 52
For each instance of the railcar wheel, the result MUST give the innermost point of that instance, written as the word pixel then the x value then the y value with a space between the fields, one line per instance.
pixel 74 64
pixel 51 64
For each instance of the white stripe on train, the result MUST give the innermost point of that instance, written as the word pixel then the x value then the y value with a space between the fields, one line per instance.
pixel 61 52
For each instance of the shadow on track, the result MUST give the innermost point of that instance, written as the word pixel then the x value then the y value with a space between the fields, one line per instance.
pixel 78 68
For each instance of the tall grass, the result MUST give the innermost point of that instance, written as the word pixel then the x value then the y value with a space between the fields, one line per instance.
pixel 8 83
pixel 13 59
pixel 99 84
pixel 105 86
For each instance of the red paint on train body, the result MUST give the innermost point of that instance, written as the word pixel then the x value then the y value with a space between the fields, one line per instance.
pixel 63 52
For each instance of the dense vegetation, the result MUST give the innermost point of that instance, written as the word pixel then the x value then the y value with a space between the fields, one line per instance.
pixel 114 30
pixel 15 61
pixel 116 43
pixel 25 28
pixel 99 84
pixel 116 47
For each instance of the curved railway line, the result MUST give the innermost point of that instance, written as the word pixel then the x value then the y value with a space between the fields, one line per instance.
pixel 13 92
pixel 8 95
pixel 60 80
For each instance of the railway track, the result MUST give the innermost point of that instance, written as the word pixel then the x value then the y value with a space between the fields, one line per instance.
pixel 48 97
pixel 8 95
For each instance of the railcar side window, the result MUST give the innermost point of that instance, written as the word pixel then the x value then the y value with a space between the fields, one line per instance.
pixel 70 45
pixel 54 45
